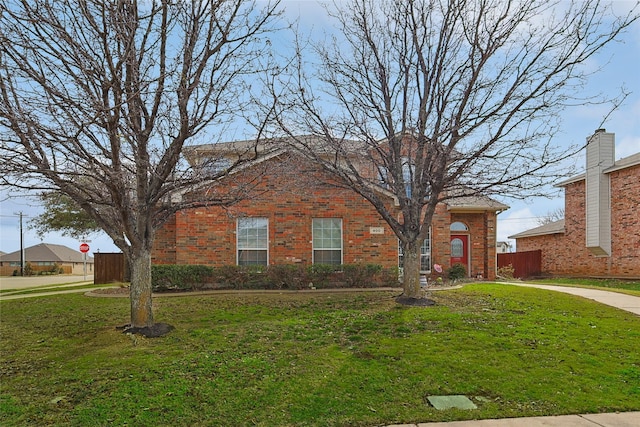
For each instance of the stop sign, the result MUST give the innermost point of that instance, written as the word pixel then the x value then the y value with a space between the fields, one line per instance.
pixel 84 248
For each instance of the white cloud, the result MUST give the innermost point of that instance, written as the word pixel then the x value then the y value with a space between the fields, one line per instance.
pixel 627 146
pixel 513 222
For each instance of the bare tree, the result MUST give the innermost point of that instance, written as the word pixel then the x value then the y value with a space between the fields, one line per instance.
pixel 99 98
pixel 444 98
pixel 551 216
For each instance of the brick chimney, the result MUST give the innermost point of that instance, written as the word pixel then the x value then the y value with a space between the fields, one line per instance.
pixel 600 156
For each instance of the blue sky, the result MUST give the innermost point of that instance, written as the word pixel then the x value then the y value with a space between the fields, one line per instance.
pixel 619 63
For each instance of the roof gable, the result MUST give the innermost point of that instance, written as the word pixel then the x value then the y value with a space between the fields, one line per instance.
pixel 46 252
pixel 457 200
pixel 624 163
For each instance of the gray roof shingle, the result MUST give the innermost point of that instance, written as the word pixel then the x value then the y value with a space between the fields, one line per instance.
pixel 47 252
pixel 555 227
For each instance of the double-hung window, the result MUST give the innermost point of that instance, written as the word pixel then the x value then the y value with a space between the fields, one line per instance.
pixel 408 172
pixel 327 241
pixel 253 241
pixel 425 255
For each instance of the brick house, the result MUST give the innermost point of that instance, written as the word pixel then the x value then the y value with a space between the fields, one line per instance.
pixel 600 235
pixel 44 257
pixel 300 215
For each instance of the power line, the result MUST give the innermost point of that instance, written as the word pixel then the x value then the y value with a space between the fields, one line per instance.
pixel 530 218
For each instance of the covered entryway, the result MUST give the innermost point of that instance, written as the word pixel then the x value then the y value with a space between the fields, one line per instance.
pixel 460 245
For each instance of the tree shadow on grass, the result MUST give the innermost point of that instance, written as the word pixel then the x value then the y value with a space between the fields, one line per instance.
pixel 155 331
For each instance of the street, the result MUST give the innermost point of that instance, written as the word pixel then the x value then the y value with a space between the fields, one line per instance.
pixel 18 282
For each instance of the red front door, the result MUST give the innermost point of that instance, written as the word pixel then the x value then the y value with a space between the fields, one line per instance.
pixel 460 250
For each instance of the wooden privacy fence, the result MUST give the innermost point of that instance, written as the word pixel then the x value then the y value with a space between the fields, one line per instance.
pixel 7 270
pixel 525 264
pixel 109 268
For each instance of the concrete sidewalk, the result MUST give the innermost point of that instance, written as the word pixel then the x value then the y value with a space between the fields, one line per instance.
pixel 622 419
pixel 619 300
pixel 13 287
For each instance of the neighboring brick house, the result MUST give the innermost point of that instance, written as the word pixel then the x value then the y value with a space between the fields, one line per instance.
pixel 503 247
pixel 600 235
pixel 298 216
pixel 44 257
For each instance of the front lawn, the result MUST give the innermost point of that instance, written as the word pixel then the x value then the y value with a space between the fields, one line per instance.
pixel 315 359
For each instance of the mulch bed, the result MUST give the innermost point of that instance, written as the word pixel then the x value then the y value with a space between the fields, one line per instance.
pixel 415 302
pixel 112 291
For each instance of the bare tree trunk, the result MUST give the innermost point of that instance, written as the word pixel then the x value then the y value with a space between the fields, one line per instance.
pixel 140 289
pixel 118 96
pixel 440 100
pixel 411 271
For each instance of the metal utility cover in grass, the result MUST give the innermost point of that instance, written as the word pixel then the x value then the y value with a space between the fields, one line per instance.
pixel 449 402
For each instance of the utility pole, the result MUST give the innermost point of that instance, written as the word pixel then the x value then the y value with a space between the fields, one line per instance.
pixel 22 261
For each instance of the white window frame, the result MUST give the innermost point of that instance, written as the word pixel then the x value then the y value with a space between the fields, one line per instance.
pixel 425 254
pixel 458 227
pixel 240 244
pixel 314 239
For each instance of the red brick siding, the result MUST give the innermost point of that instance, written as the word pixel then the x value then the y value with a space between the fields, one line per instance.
pixel 164 249
pixel 551 246
pixel 566 254
pixel 625 220
pixel 208 235
pixel 440 240
pixel 482 242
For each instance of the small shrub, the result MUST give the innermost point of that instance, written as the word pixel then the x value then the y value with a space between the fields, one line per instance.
pixel 389 277
pixel 55 269
pixel 506 272
pixel 360 275
pixel 456 272
pixel 227 277
pixel 320 274
pixel 283 276
pixel 253 277
pixel 239 276
pixel 28 269
pixel 286 276
pixel 179 277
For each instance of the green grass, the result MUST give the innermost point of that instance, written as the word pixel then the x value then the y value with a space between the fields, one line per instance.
pixel 321 359
pixel 631 287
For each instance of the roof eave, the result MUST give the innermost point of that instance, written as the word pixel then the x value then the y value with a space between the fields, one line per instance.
pixel 571 180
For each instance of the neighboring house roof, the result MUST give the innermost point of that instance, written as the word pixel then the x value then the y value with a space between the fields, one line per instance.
pixel 624 163
pixel 555 227
pixel 47 252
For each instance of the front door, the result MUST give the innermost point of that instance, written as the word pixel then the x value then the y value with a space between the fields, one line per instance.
pixel 460 250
